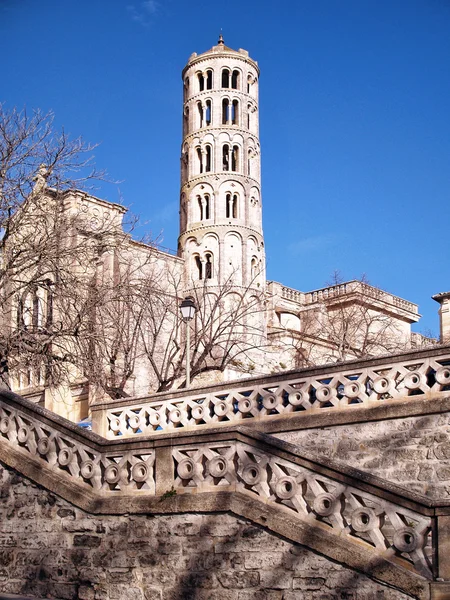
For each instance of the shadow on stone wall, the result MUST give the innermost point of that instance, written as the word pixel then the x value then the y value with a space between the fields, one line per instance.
pixel 413 452
pixel 51 549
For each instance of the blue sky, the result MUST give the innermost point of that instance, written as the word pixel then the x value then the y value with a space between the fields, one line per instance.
pixel 354 117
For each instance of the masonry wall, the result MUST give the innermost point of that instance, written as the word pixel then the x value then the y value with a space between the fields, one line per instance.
pixel 413 452
pixel 49 548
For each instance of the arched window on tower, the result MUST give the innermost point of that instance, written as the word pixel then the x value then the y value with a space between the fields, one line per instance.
pixel 184 163
pixel 209 80
pixel 226 78
pixel 207 206
pixel 234 207
pixel 199 266
pixel 254 268
pixel 201 82
pixel 249 109
pixel 208 112
pixel 208 266
pixel 249 163
pixel 200 115
pixel 186 88
pixel 208 159
pixel 231 206
pixel 228 206
pixel 235 112
pixel 235 80
pixel 186 121
pixel 235 159
pixel 199 160
pixel 250 83
pixel 225 111
pixel 225 157
pixel 200 208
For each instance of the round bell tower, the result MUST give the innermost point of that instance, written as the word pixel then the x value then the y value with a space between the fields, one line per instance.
pixel 221 235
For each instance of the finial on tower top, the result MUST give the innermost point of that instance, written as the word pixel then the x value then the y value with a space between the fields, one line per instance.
pixel 221 42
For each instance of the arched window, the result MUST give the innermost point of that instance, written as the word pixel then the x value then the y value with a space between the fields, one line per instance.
pixel 231 206
pixel 235 158
pixel 254 268
pixel 36 315
pixel 198 264
pixel 184 163
pixel 249 164
pixel 199 160
pixel 208 159
pixel 30 310
pixel 208 266
pixel 208 112
pixel 234 208
pixel 49 315
pixel 235 80
pixel 249 83
pixel 228 206
pixel 186 120
pixel 249 108
pixel 186 88
pixel 225 111
pixel 235 112
pixel 20 313
pixel 203 207
pixel 225 157
pixel 226 78
pixel 183 215
pixel 200 114
pixel 201 82
pixel 209 80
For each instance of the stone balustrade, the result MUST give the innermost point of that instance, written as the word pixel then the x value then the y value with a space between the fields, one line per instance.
pixel 348 287
pixel 291 294
pixel 330 507
pixel 332 389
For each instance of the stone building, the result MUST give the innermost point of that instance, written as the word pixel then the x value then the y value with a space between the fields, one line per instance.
pixel 221 255
pixel 325 482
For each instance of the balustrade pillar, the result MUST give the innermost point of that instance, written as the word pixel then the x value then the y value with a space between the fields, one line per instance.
pixel 164 480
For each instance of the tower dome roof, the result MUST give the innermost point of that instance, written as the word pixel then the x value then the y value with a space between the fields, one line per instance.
pixel 220 48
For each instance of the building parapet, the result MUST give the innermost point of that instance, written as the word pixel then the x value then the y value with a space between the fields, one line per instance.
pixel 348 287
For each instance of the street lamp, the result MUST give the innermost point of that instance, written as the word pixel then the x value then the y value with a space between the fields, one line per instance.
pixel 188 309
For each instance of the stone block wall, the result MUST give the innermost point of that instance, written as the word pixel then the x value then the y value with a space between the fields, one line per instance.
pixel 413 452
pixel 49 548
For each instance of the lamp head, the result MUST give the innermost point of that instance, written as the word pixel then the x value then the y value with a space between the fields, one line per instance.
pixel 188 308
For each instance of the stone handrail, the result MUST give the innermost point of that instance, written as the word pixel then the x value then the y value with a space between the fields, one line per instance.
pixel 348 287
pixel 342 512
pixel 291 294
pixel 329 389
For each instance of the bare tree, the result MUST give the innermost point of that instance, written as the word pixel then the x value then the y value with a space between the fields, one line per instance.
pixel 346 320
pixel 48 249
pixel 227 331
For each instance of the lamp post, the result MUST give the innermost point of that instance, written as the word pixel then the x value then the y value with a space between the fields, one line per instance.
pixel 188 309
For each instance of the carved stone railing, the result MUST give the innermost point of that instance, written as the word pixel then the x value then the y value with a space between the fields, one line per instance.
pixel 339 511
pixel 291 294
pixel 330 389
pixel 348 287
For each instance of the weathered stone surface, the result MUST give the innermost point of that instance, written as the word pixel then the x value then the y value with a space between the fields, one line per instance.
pixel 180 557
pixel 413 452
